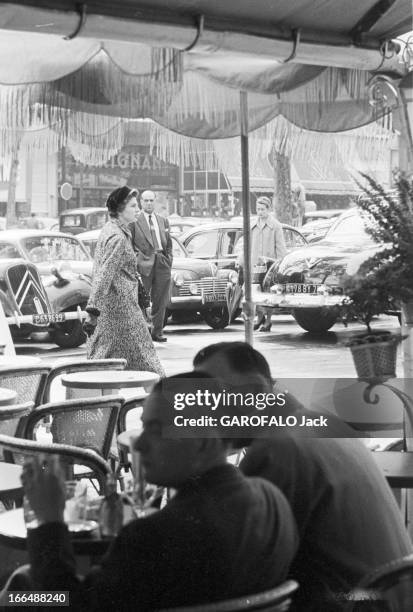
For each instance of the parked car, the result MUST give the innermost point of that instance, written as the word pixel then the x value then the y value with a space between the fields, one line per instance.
pixel 222 243
pixel 316 224
pixel 197 285
pixel 65 268
pixel 22 293
pixel 307 281
pixel 78 220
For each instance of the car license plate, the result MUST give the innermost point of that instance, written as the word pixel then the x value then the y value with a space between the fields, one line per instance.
pixel 214 297
pixel 41 319
pixel 301 288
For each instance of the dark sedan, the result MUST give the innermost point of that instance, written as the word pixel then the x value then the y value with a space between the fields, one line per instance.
pixel 307 281
pixel 197 285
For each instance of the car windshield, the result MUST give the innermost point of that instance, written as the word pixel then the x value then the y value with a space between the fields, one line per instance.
pixel 350 229
pixel 72 221
pixel 54 248
pixel 177 248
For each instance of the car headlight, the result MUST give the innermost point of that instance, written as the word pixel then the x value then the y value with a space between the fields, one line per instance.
pixel 48 281
pixel 233 277
pixel 193 289
pixel 178 279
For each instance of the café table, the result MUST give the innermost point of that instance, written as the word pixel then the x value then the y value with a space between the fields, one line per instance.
pixel 397 468
pixel 106 382
pixel 13 534
pixel 10 485
pixel 18 361
pixel 7 397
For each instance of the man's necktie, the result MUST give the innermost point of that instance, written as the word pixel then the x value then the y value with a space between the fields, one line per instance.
pixel 155 242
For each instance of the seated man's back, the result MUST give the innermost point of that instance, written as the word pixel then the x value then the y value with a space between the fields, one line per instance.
pixel 347 517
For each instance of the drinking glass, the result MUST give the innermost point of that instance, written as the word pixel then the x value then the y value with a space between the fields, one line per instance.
pixel 75 505
pixel 142 494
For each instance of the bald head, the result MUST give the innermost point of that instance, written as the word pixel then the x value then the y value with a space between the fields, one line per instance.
pixel 148 201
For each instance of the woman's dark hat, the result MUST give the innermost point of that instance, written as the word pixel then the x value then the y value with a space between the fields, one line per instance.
pixel 119 196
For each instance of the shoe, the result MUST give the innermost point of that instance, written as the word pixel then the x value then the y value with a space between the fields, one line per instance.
pixel 265 328
pixel 159 339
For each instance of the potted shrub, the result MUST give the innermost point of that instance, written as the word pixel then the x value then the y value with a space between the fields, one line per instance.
pixel 374 352
pixel 385 281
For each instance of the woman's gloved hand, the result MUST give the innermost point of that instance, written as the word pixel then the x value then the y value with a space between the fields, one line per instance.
pixel 89 324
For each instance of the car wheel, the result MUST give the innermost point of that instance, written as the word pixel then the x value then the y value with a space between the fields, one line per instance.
pixel 217 318
pixel 315 320
pixel 20 333
pixel 68 334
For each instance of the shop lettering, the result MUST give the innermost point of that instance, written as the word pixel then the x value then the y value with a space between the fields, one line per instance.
pixel 134 161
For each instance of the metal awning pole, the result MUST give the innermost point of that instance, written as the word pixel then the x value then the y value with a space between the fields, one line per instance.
pixel 248 308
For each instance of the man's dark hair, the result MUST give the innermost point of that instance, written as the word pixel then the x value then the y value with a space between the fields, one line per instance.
pixel 164 383
pixel 240 355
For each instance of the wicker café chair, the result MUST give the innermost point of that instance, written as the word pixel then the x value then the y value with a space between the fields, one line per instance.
pixel 274 600
pixel 86 423
pixel 69 455
pixel 10 420
pixel 74 365
pixel 29 383
pixel 388 588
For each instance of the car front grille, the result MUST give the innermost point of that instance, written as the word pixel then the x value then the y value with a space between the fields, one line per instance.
pixel 26 289
pixel 206 286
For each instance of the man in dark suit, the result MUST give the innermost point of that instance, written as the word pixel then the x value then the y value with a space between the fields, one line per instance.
pixel 153 243
pixel 221 536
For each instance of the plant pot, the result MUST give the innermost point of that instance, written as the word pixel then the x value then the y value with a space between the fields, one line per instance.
pixel 374 354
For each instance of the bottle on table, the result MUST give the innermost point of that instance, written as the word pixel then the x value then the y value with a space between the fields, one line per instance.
pixel 111 510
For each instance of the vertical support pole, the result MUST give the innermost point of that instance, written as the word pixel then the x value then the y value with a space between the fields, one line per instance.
pixel 406 159
pixel 81 191
pixel 248 309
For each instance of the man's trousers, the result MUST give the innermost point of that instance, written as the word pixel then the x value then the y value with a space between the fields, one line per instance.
pixel 157 284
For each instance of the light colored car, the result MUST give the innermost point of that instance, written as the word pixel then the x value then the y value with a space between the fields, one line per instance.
pixel 197 285
pixel 65 268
